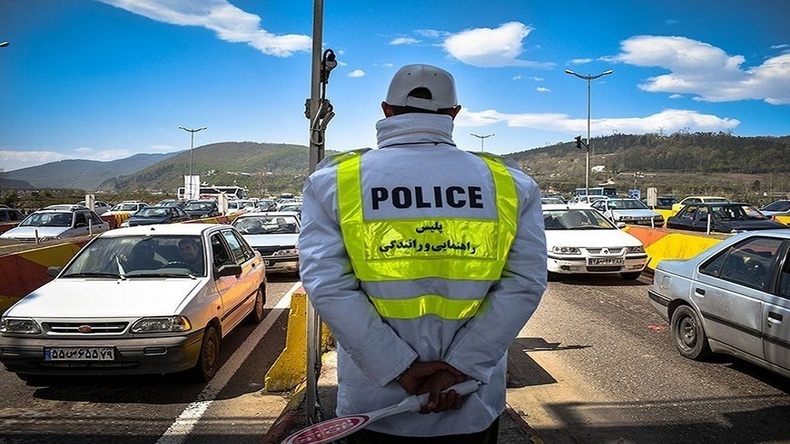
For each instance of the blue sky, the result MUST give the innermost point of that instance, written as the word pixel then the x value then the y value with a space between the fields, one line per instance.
pixel 106 79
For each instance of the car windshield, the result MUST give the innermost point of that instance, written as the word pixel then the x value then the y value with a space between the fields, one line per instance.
pixel 151 212
pixel 266 224
pixel 781 205
pixel 626 204
pixel 138 256
pixel 125 207
pixel 47 219
pixel 575 219
pixel 199 206
pixel 737 212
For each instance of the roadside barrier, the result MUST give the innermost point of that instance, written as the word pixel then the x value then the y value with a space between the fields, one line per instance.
pixel 290 368
pixel 22 272
pixel 661 244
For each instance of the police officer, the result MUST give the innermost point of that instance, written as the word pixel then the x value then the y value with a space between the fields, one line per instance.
pixel 425 261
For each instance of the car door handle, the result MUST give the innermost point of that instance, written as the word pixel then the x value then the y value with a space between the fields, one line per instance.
pixel 699 291
pixel 774 318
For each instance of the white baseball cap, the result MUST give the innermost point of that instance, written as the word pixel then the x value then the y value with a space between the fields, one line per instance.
pixel 437 81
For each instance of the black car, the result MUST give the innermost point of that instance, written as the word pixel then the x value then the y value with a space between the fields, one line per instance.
pixel 730 217
pixel 156 215
pixel 198 209
pixel 663 202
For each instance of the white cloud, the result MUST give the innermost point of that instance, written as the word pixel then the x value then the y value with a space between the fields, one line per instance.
pixel 676 96
pixel 580 61
pixel 668 120
pixel 542 89
pixel 486 47
pixel 705 71
pixel 404 41
pixel 230 23
pixel 356 73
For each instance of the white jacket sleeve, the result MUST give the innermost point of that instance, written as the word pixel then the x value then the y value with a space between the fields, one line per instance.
pixel 334 290
pixel 481 344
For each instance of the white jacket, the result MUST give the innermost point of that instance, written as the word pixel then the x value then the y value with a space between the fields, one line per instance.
pixel 417 150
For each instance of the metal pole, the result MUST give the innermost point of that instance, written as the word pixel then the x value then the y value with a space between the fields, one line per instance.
pixel 589 78
pixel 482 138
pixel 191 149
pixel 316 154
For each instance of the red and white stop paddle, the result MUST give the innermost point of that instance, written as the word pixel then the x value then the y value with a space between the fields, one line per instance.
pixel 327 431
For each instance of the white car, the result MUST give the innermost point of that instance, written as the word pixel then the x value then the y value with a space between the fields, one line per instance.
pixel 275 235
pixel 142 300
pixel 629 211
pixel 57 222
pixel 580 240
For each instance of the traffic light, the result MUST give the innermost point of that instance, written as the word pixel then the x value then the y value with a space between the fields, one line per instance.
pixel 578 142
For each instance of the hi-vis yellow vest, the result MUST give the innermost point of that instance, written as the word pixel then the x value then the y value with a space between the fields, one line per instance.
pixel 409 249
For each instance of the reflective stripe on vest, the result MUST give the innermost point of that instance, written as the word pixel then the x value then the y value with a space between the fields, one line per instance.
pixel 412 308
pixel 407 249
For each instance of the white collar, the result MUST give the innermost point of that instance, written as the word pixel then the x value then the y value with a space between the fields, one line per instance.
pixel 415 128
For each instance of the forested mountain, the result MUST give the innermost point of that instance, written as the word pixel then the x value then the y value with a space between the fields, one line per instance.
pixel 81 174
pixel 748 168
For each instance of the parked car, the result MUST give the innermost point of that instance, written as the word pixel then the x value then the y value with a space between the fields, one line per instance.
pixel 267 204
pixel 698 199
pixel 777 208
pixel 580 240
pixel 99 206
pixel 104 314
pixel 663 202
pixel 172 203
pixel 240 205
pixel 127 207
pixel 156 215
pixel 551 200
pixel 731 298
pixel 56 223
pixel 586 200
pixel 199 209
pixel 10 215
pixel 724 218
pixel 629 211
pixel 275 235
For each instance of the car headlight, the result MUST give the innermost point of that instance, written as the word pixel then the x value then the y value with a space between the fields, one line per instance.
pixel 565 250
pixel 20 326
pixel 639 249
pixel 48 238
pixel 164 324
pixel 124 224
pixel 286 252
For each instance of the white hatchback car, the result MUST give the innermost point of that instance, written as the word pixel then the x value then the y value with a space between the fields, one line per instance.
pixel 275 235
pixel 57 222
pixel 580 240
pixel 141 300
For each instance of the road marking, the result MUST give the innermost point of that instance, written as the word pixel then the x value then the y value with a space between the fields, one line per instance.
pixel 184 424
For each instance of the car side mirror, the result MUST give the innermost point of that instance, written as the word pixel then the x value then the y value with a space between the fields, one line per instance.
pixel 229 270
pixel 53 271
pixel 620 224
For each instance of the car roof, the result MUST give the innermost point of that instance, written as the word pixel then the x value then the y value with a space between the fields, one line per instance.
pixel 195 229
pixel 555 207
pixel 268 213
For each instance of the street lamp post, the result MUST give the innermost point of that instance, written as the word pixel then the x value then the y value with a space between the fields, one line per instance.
pixel 588 78
pixel 482 139
pixel 191 132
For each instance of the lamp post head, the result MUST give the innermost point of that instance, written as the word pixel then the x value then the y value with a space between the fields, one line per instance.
pixel 568 71
pixel 3 44
pixel 607 72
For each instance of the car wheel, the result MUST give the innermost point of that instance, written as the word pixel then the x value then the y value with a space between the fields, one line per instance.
pixel 690 338
pixel 256 315
pixel 208 361
pixel 631 276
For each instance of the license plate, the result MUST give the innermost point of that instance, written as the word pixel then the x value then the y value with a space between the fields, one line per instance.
pixel 79 354
pixel 605 261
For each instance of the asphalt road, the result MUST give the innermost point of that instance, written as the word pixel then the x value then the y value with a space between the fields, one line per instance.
pixel 594 365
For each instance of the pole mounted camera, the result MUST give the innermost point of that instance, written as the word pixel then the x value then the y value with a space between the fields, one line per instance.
pixel 580 143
